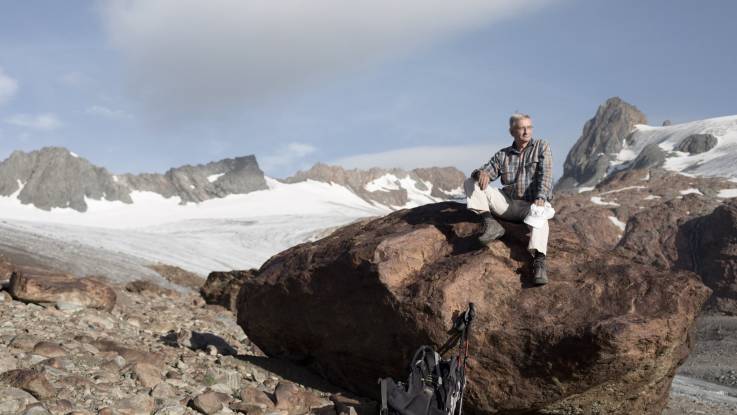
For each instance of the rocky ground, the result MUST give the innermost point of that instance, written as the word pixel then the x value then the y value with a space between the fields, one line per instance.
pixel 707 382
pixel 157 352
pixel 165 352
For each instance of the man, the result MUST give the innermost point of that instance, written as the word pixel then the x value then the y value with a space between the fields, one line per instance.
pixel 526 171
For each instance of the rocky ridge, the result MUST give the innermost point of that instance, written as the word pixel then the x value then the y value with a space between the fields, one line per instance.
pixel 589 160
pixel 54 177
pixel 390 187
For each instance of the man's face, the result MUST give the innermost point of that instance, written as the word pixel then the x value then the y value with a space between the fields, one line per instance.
pixel 522 131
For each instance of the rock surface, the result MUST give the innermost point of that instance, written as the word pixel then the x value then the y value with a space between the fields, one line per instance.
pixel 697 143
pixel 707 245
pixel 64 289
pixel 603 335
pixel 603 136
pixel 222 287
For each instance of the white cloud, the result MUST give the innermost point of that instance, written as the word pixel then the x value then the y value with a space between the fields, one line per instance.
pixel 188 58
pixel 464 157
pixel 290 155
pixel 40 122
pixel 106 112
pixel 8 87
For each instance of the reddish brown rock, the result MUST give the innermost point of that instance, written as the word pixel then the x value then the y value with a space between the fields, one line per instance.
pixel 29 380
pixel 222 287
pixel 59 288
pixel 254 396
pixel 49 349
pixel 295 400
pixel 148 375
pixel 149 287
pixel 129 354
pixel 606 333
pixel 708 246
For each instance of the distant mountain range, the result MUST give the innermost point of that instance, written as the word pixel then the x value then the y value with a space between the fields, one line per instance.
pixel 615 139
pixel 54 177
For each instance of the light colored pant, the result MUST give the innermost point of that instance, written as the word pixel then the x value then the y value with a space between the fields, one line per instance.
pixel 499 204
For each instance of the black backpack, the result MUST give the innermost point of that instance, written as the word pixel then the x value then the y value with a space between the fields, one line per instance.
pixel 434 385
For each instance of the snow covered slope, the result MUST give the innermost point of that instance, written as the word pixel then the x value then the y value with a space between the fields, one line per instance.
pixel 235 232
pixel 719 160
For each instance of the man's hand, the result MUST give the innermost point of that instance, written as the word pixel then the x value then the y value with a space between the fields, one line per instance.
pixel 540 202
pixel 483 179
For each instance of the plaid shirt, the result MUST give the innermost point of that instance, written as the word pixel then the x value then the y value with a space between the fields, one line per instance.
pixel 527 175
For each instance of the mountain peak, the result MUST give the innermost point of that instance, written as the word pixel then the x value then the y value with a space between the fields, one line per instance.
pixel 54 177
pixel 602 139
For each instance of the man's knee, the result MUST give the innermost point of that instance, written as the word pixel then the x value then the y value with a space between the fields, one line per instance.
pixel 470 185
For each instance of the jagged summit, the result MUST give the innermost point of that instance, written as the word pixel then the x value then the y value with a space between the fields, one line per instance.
pixel 603 136
pixel 203 181
pixel 618 139
pixel 54 177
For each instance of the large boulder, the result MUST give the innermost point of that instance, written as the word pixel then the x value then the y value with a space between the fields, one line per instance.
pixel 605 336
pixel 62 289
pixel 707 245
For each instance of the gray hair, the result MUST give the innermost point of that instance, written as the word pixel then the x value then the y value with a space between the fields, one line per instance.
pixel 517 116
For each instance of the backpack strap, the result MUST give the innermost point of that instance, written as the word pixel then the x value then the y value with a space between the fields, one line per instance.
pixel 384 408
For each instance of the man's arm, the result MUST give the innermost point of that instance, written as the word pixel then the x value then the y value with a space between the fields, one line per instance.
pixel 488 172
pixel 544 180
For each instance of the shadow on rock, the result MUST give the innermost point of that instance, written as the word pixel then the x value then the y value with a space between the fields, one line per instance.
pixel 198 341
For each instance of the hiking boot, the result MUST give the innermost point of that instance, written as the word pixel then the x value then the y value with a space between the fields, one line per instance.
pixel 538 269
pixel 492 229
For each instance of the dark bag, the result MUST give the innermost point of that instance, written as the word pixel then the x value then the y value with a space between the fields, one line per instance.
pixel 434 385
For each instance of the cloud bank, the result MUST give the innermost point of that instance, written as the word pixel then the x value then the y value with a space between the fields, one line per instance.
pixel 464 157
pixel 40 122
pixel 193 58
pixel 290 155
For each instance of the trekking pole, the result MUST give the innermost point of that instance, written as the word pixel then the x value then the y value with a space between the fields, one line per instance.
pixel 468 318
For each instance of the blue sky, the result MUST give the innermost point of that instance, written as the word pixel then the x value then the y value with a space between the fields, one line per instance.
pixel 144 85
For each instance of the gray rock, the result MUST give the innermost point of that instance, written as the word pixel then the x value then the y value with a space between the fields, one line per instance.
pixel 53 177
pixel 203 182
pixel 697 143
pixel 172 410
pixel 667 123
pixel 163 391
pixel 36 409
pixel 7 363
pixel 136 405
pixel 210 402
pixel 14 400
pixel 650 156
pixel 588 160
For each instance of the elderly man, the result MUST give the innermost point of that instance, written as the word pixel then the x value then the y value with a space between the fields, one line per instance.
pixel 526 170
